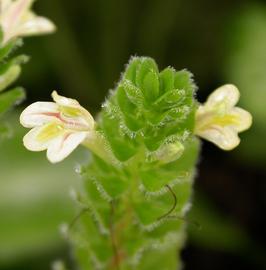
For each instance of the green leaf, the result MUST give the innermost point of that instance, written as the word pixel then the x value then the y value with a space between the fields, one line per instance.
pixel 9 48
pixel 151 86
pixel 146 66
pixel 18 60
pixel 183 80
pixel 82 256
pixel 154 180
pixel 112 180
pixel 160 259
pixel 131 70
pixel 11 98
pixel 167 80
pixel 133 93
pixel 129 110
pixel 121 145
pixel 170 100
pixel 9 76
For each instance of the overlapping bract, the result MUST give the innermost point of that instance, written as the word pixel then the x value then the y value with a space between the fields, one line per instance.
pixel 147 123
pixel 149 108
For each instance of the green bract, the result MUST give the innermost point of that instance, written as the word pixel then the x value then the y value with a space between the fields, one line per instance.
pixel 134 203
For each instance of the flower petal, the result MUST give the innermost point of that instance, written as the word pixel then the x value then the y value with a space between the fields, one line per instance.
pixel 243 119
pixel 39 138
pixel 4 5
pixel 35 26
pixel 74 115
pixel 226 96
pixel 63 101
pixel 224 137
pixel 11 18
pixel 62 146
pixel 39 113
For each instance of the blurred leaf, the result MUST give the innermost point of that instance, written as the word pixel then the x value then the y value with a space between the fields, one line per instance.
pixel 9 76
pixel 9 47
pixel 11 98
pixel 17 60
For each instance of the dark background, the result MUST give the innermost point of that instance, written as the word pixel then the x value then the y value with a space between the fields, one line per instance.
pixel 219 42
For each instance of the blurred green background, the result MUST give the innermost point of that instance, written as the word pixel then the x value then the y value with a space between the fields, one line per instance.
pixel 219 42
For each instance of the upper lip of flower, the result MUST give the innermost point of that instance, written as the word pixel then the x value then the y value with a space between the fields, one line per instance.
pixel 67 122
pixel 219 121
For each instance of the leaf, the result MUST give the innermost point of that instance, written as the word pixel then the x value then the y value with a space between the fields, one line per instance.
pixel 167 80
pixel 133 93
pixel 129 110
pixel 9 76
pixel 121 145
pixel 18 60
pixel 170 99
pixel 11 98
pixel 160 259
pixel 150 86
pixel 126 106
pixel 9 48
pixel 112 180
pixel 183 80
pixel 146 65
pixel 155 180
pixel 131 70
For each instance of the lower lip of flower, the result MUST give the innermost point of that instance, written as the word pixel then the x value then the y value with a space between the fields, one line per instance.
pixel 49 132
pixel 208 119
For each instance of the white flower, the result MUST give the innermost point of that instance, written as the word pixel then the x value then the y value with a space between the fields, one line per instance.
pixel 16 19
pixel 58 126
pixel 219 121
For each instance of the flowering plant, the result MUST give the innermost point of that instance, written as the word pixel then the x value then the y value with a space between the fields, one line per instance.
pixel 144 147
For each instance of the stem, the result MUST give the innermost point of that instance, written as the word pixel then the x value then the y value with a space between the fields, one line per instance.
pixel 97 143
pixel 116 259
